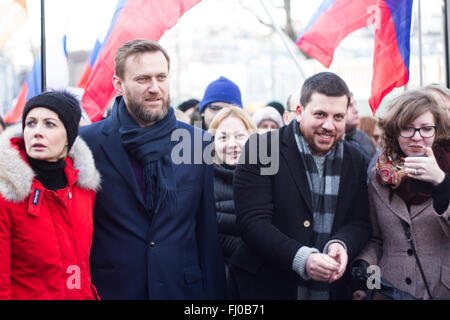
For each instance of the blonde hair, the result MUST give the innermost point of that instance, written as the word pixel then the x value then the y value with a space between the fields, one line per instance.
pixel 405 109
pixel 231 112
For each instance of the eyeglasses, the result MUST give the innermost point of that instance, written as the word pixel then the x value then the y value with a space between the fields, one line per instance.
pixel 425 132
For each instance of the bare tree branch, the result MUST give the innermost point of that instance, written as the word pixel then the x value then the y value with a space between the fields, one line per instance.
pixel 288 28
pixel 256 16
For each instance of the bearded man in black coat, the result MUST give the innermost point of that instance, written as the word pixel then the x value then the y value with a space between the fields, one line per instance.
pixel 301 202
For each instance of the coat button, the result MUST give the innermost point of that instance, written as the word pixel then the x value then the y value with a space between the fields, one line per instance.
pixel 70 195
pixel 409 252
pixel 306 224
pixel 408 280
pixel 152 244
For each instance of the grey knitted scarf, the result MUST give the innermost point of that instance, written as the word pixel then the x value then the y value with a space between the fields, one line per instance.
pixel 324 189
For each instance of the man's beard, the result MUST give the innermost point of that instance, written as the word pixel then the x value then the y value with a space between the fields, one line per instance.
pixel 310 139
pixel 148 116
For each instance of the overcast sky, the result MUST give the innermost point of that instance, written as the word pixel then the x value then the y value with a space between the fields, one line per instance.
pixel 85 20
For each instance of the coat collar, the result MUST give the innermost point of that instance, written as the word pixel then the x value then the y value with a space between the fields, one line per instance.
pixel 16 176
pixel 397 205
pixel 289 151
pixel 117 155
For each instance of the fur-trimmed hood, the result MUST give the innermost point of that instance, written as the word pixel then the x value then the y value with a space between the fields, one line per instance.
pixel 16 176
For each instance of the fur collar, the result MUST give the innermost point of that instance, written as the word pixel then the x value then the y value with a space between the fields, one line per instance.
pixel 16 176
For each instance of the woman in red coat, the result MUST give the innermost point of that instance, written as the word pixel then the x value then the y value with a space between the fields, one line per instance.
pixel 48 183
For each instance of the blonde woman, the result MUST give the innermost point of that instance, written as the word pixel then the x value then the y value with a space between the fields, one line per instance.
pixel 230 128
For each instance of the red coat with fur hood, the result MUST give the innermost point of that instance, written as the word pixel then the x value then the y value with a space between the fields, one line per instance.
pixel 45 236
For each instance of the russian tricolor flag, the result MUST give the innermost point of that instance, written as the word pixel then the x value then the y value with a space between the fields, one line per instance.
pixel 31 87
pixel 98 47
pixel 12 14
pixel 331 23
pixel 392 48
pixel 335 19
pixel 89 65
pixel 57 76
pixel 133 19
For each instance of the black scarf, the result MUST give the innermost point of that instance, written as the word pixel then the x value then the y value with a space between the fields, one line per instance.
pixel 151 146
pixel 50 174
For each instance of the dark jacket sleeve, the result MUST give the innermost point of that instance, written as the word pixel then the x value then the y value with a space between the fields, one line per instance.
pixel 255 210
pixel 441 195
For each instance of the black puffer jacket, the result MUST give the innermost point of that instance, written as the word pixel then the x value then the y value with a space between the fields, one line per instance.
pixel 226 217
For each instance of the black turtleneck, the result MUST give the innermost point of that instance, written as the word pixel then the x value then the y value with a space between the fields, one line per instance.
pixel 50 174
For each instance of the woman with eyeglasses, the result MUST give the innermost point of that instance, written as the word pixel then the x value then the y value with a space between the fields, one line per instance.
pixel 409 193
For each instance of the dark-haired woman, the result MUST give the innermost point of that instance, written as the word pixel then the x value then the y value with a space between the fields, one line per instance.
pixel 48 183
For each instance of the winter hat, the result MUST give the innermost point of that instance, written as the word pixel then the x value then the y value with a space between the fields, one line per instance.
pixel 65 104
pixel 221 90
pixel 277 105
pixel 186 105
pixel 267 113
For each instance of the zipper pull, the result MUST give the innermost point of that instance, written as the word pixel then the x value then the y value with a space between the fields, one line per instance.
pixel 68 195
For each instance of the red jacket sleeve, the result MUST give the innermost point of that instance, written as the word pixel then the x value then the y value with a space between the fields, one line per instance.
pixel 5 253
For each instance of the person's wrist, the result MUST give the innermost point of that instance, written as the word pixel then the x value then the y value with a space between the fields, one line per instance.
pixel 440 178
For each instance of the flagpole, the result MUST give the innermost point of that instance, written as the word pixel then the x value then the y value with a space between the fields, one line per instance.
pixel 282 36
pixel 43 64
pixel 446 13
pixel 420 44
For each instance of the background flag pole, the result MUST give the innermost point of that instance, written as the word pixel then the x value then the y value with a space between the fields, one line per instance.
pixel 43 64
pixel 282 36
pixel 420 45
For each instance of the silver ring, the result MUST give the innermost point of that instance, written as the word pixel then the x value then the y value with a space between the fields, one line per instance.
pixel 416 172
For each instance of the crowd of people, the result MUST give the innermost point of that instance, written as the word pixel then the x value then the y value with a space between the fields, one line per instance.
pixel 288 203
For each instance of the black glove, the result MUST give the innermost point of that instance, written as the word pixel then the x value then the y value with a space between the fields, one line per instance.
pixel 359 275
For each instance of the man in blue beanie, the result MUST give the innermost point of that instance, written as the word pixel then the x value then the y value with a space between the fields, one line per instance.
pixel 220 93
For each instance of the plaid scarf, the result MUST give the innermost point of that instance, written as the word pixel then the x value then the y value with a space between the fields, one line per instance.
pixel 324 190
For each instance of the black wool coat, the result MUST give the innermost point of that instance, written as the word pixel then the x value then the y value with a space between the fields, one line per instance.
pixel 275 216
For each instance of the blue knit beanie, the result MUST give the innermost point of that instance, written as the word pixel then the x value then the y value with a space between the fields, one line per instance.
pixel 221 90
